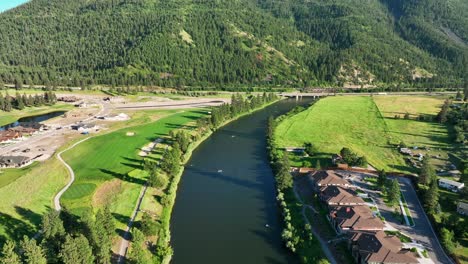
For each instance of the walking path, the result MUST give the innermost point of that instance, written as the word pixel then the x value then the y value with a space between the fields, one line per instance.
pixel 70 171
pixel 323 243
pixel 126 238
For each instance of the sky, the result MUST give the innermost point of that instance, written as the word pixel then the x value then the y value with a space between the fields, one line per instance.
pixel 7 4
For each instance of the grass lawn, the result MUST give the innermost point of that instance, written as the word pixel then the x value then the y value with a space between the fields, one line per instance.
pixel 114 156
pixel 344 121
pixel 10 117
pixel 24 199
pixel 413 132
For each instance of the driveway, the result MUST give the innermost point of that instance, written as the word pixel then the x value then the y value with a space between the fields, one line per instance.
pixel 422 231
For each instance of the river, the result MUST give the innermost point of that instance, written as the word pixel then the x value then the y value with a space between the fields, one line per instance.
pixel 225 210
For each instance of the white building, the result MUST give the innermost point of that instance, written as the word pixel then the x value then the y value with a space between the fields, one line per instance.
pixel 451 185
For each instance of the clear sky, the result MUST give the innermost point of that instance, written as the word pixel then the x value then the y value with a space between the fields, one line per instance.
pixel 7 4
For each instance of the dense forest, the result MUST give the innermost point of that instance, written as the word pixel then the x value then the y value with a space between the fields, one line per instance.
pixel 218 44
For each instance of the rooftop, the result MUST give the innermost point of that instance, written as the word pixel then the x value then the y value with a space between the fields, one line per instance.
pixel 356 218
pixel 378 247
pixel 329 177
pixel 338 195
pixel 453 183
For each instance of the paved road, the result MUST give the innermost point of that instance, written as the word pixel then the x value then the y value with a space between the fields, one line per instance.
pixel 70 171
pixel 422 231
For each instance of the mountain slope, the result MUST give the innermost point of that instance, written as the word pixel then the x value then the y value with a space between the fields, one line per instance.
pixel 230 43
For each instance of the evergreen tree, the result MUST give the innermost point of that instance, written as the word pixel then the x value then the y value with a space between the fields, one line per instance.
pixel 137 253
pixel 427 173
pixel 393 192
pixel 76 251
pixel 32 253
pixel 52 225
pixel 382 179
pixel 431 197
pixel 9 255
pixel 283 176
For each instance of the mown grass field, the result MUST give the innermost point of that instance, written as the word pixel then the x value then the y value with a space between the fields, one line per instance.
pixel 344 121
pixel 110 158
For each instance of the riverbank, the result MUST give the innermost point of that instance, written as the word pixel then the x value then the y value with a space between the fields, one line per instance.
pixel 172 190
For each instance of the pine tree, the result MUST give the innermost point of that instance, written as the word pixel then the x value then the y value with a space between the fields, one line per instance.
pixel 431 197
pixel 76 251
pixel 394 192
pixel 427 173
pixel 382 179
pixel 33 254
pixel 52 225
pixel 9 255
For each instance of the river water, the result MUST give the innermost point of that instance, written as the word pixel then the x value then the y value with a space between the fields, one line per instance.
pixel 225 211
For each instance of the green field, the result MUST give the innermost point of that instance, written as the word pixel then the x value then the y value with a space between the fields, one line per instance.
pixel 100 160
pixel 412 132
pixel 336 122
pixel 26 194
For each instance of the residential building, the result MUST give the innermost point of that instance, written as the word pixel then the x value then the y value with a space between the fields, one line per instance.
pixel 14 161
pixel 9 135
pixel 327 178
pixel 354 218
pixel 462 208
pixel 339 196
pixel 379 248
pixel 451 185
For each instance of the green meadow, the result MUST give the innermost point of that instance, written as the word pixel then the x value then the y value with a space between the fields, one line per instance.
pixel 342 121
pixel 107 167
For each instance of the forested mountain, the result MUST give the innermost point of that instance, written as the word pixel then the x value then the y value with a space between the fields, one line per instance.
pixel 215 43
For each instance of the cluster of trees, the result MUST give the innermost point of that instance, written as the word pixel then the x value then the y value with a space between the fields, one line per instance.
pixel 296 234
pixel 457 116
pixel 227 43
pixel 352 159
pixel 19 102
pixel 65 239
pixel 389 187
pixel 239 105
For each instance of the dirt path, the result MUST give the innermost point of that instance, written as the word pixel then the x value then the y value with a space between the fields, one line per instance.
pixel 323 243
pixel 70 171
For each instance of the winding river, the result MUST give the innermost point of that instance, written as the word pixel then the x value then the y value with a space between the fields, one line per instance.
pixel 225 211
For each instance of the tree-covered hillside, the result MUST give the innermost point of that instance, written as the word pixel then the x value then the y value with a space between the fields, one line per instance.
pixel 213 43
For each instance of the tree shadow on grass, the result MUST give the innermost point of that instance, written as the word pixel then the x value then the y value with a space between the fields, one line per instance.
pixel 27 214
pixel 131 165
pixel 15 228
pixel 123 177
pixel 121 218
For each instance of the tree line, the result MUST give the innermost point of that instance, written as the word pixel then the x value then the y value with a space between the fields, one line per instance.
pixel 19 102
pixel 65 239
pixel 296 234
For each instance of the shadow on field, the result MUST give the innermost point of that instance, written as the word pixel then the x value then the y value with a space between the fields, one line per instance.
pixel 402 168
pixel 121 218
pixel 123 177
pixel 27 214
pixel 14 228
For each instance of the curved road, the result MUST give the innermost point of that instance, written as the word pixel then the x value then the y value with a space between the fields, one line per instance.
pixel 70 171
